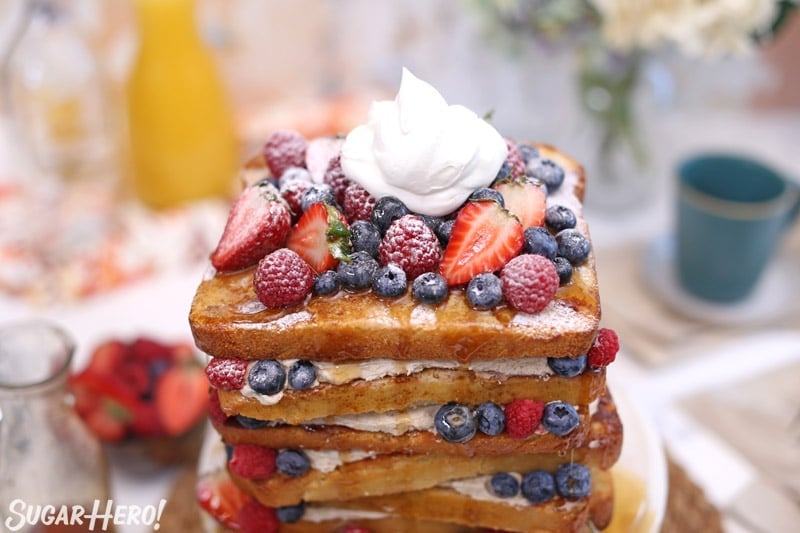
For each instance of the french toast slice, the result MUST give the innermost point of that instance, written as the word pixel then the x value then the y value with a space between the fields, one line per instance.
pixel 227 320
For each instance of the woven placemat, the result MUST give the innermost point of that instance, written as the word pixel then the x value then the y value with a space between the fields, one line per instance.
pixel 687 507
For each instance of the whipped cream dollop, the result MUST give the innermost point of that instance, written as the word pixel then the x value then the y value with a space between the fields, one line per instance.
pixel 421 150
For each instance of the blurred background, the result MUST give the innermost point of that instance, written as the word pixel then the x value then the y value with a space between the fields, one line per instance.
pixel 124 122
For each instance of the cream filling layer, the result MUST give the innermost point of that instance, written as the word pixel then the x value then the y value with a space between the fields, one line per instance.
pixel 478 488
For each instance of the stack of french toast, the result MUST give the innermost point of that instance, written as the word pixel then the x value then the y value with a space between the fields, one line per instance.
pixel 376 367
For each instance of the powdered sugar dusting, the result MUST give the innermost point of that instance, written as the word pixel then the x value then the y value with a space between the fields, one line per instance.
pixel 423 315
pixel 555 319
pixel 250 308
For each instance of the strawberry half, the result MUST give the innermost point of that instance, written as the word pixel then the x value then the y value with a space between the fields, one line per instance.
pixel 181 396
pixel 258 224
pixel 485 237
pixel 321 237
pixel 525 200
pixel 220 498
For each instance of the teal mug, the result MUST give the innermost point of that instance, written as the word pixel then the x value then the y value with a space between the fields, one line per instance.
pixel 732 212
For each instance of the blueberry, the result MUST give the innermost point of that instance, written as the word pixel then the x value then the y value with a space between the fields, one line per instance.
pixel 250 423
pixel 292 174
pixel 504 485
pixel 539 241
pixel 429 288
pixel 389 281
pixel 538 486
pixel 434 223
pixel 267 377
pixel 573 246
pixel 547 171
pixel 485 291
pixel 366 237
pixel 326 283
pixel 563 269
pixel 567 367
pixel 490 418
pixel 504 173
pixel 528 152
pixel 319 192
pixel 485 193
pixel 455 423
pixel 356 274
pixel 267 181
pixel 228 451
pixel 291 513
pixel 293 463
pixel 559 418
pixel 558 217
pixel 444 231
pixel 302 374
pixel 573 481
pixel 387 209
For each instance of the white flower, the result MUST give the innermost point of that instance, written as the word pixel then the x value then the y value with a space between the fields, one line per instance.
pixel 697 27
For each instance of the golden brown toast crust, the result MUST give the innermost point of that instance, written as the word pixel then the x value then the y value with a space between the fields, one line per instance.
pixel 401 392
pixel 227 320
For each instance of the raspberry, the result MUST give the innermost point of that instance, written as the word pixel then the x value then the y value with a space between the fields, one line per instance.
pixel 282 278
pixel 357 203
pixel 215 412
pixel 411 245
pixel 227 374
pixel 530 282
pixel 523 417
pixel 334 176
pixel 604 349
pixel 284 149
pixel 252 461
pixel 515 159
pixel 292 192
pixel 255 518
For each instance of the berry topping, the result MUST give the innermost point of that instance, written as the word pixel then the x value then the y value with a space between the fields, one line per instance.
pixel 215 412
pixel 455 423
pixel 523 417
pixel 573 481
pixel 292 193
pixel 321 237
pixel 390 281
pixel 429 288
pixel 292 174
pixel 282 278
pixel 435 223
pixel 291 513
pixel 484 238
pixel 559 217
pixel 220 498
pixel 252 461
pixel 411 245
pixel 539 241
pixel 285 149
pixel 573 246
pixel 387 210
pixel 528 152
pixel 319 192
pixel 567 367
pixel 504 485
pixel 250 423
pixel 258 223
pixel 293 463
pixel 560 418
pixel 327 283
pixel 319 153
pixel 357 203
pixel 538 486
pixel 563 269
pixel 525 200
pixel 444 231
pixel 547 171
pixel 256 518
pixel 267 377
pixel 226 374
pixel 366 237
pixel 485 193
pixel 335 178
pixel 529 282
pixel 302 374
pixel 503 174
pixel 356 274
pixel 490 418
pixel 604 349
pixel 485 291
pixel 515 159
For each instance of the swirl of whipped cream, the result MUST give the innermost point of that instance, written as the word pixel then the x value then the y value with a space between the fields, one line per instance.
pixel 428 154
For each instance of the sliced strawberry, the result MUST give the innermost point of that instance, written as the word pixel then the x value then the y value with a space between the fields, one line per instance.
pixel 181 396
pixel 182 352
pixel 484 238
pixel 148 350
pixel 105 403
pixel 258 224
pixel 108 356
pixel 220 498
pixel 321 237
pixel 525 200
pixel 106 423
